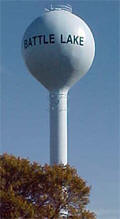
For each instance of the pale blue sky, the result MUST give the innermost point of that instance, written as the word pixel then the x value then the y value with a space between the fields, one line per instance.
pixel 93 144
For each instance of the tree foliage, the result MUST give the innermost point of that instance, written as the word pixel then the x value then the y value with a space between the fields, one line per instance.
pixel 29 190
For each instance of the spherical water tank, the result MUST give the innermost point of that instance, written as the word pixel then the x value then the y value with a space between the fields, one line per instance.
pixel 58 48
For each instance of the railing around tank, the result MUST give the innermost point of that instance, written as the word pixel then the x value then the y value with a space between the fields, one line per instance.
pixel 66 7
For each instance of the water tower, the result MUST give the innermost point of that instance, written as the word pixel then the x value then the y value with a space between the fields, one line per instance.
pixel 58 49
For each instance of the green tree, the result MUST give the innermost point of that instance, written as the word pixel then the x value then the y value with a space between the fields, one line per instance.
pixel 29 190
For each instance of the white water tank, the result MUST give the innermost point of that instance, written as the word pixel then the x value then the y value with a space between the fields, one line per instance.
pixel 58 49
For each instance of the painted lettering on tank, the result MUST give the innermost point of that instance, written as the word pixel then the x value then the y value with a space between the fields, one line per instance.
pixel 61 39
pixel 76 39
pixel 50 39
pixel 81 42
pixel 30 42
pixel 69 39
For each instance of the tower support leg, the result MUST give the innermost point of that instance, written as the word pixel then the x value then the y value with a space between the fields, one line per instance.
pixel 58 127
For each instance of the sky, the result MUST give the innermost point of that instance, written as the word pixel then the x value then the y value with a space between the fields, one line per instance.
pixel 93 126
